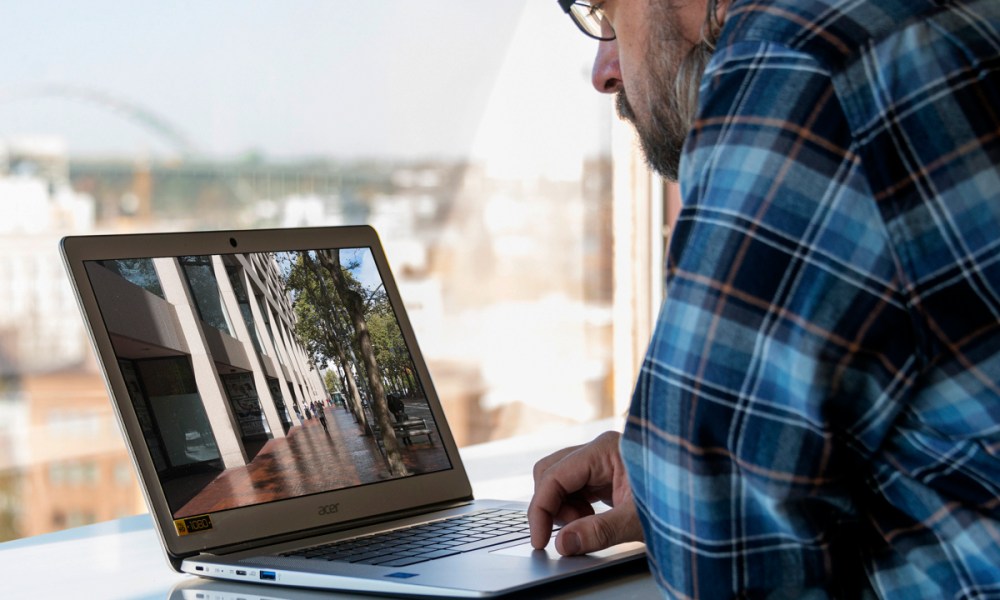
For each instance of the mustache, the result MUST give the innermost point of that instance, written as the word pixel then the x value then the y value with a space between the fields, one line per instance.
pixel 624 108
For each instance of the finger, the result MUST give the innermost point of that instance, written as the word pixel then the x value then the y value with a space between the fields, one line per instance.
pixel 546 463
pixel 540 519
pixel 559 477
pixel 551 504
pixel 554 499
pixel 573 508
pixel 547 501
pixel 603 530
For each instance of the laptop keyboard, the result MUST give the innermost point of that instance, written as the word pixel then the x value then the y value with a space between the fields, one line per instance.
pixel 427 541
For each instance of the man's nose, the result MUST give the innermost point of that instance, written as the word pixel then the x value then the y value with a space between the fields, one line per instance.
pixel 606 76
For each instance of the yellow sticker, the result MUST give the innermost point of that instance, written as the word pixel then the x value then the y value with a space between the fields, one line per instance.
pixel 193 524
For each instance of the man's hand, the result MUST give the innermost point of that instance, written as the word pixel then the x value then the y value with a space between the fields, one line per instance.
pixel 567 482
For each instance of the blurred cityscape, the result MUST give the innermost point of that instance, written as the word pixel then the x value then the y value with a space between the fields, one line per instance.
pixel 507 280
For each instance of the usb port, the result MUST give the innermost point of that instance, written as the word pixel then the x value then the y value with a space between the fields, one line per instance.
pixel 268 575
pixel 241 573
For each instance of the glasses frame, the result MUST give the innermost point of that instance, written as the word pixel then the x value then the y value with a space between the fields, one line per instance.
pixel 567 6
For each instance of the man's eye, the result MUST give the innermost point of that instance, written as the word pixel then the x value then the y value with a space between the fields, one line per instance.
pixel 594 10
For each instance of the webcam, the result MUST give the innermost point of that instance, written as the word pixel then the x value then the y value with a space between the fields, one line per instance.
pixel 232 242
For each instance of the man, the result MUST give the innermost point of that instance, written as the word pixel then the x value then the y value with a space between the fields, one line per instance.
pixel 396 407
pixel 818 413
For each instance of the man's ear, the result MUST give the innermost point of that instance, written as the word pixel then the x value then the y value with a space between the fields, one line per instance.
pixel 717 12
pixel 715 16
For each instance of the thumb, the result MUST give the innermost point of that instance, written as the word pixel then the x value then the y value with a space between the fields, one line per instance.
pixel 600 531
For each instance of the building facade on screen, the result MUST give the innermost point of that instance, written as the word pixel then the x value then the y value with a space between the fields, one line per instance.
pixel 206 348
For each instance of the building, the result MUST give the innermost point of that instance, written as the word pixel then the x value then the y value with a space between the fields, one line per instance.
pixel 76 471
pixel 40 328
pixel 62 457
pixel 206 347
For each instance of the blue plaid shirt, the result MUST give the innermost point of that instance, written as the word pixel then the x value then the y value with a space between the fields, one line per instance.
pixel 818 414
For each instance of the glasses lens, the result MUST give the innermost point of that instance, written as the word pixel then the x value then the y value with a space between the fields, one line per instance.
pixel 591 20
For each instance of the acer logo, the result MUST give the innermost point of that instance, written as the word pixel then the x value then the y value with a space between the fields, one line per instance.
pixel 328 509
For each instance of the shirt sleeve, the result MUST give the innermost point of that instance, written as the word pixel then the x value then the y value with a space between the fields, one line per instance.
pixel 781 350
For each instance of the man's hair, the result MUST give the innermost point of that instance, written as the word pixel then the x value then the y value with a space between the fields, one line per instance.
pixel 691 69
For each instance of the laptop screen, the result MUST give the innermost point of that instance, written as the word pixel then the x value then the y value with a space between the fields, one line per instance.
pixel 262 376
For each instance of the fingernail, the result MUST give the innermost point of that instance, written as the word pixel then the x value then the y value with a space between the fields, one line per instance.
pixel 571 543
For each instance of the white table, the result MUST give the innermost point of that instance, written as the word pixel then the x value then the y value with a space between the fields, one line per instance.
pixel 122 559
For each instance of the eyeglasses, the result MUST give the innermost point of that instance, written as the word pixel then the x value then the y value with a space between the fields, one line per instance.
pixel 590 18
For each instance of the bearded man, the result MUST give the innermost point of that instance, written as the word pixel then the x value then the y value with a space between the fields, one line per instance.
pixel 818 414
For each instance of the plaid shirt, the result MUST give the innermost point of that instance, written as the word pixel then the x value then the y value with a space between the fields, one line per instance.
pixel 818 414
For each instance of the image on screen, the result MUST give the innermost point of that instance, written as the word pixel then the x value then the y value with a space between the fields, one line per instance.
pixel 258 377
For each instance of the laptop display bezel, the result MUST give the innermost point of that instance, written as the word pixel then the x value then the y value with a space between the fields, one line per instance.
pixel 260 523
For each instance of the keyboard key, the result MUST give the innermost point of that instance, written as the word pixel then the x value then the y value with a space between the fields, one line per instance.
pixel 424 542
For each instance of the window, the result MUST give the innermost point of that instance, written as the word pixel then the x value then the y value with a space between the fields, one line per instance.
pixel 75 423
pixel 73 473
pixel 235 278
pixel 139 271
pixel 512 206
pixel 200 275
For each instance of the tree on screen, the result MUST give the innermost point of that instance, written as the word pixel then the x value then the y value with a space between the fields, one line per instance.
pixel 332 310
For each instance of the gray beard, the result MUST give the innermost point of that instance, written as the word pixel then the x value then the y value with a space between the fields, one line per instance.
pixel 673 98
pixel 662 141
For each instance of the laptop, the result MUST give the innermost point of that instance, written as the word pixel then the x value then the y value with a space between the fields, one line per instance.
pixel 283 423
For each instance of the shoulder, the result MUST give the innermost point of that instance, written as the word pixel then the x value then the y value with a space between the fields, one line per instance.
pixel 844 73
pixel 832 31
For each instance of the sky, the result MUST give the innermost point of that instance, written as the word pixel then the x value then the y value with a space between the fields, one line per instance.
pixel 298 78
pixel 366 271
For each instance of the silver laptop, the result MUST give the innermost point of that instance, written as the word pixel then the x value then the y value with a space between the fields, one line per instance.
pixel 283 422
